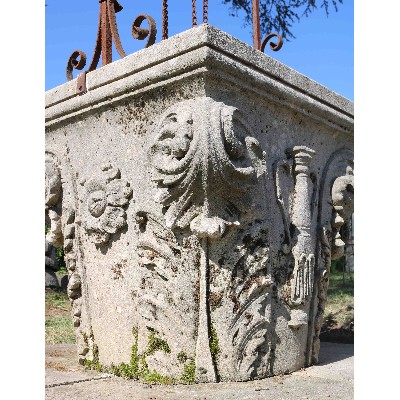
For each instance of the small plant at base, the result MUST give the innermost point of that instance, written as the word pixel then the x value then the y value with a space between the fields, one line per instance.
pixel 138 367
pixel 214 347
pixel 214 343
pixel 188 374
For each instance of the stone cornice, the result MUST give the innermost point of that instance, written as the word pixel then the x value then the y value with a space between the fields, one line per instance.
pixel 208 52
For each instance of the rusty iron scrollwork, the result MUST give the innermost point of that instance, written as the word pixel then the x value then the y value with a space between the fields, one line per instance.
pixel 273 46
pixel 107 32
pixel 142 33
pixel 73 62
pixel 255 12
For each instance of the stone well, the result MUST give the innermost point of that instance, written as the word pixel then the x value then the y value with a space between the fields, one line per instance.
pixel 199 188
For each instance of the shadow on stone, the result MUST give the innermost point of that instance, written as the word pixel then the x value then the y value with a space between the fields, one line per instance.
pixel 63 280
pixel 51 278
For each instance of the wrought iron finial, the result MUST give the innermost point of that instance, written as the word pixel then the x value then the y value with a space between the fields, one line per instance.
pixel 107 32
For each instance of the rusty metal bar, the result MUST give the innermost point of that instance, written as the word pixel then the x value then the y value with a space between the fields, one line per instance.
pixel 205 11
pixel 112 9
pixel 194 14
pixel 164 19
pixel 255 13
pixel 106 38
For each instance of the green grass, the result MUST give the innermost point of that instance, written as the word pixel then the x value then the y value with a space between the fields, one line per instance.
pixel 59 330
pixel 58 324
pixel 340 302
pixel 57 299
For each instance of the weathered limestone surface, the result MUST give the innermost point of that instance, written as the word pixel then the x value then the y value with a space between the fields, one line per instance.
pixel 200 189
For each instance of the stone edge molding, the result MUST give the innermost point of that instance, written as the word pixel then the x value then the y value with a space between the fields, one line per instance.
pixel 201 50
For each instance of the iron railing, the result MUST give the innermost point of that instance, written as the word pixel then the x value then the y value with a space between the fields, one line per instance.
pixel 107 32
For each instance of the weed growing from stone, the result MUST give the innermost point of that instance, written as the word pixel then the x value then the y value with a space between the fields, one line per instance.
pixel 138 367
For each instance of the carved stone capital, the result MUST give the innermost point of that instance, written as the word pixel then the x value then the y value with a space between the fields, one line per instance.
pixel 302 156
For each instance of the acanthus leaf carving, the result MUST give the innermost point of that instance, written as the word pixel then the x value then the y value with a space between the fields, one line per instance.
pixel 250 293
pixel 164 303
pixel 205 160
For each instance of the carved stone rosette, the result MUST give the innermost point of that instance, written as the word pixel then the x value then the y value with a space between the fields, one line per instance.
pixel 107 194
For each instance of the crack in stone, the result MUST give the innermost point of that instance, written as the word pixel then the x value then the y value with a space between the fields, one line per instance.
pixel 96 378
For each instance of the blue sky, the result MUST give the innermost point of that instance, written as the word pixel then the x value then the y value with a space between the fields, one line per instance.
pixel 323 49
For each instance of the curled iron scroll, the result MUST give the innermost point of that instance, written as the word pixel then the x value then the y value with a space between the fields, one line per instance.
pixel 73 62
pixel 273 46
pixel 142 33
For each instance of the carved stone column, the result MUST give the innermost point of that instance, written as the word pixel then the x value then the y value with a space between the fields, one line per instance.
pixel 303 250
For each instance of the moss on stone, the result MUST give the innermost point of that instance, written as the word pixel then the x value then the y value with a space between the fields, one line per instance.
pixel 189 370
pixel 214 342
pixel 138 367
pixel 182 357
pixel 134 352
pixel 156 344
pixel 214 348
pixel 155 377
